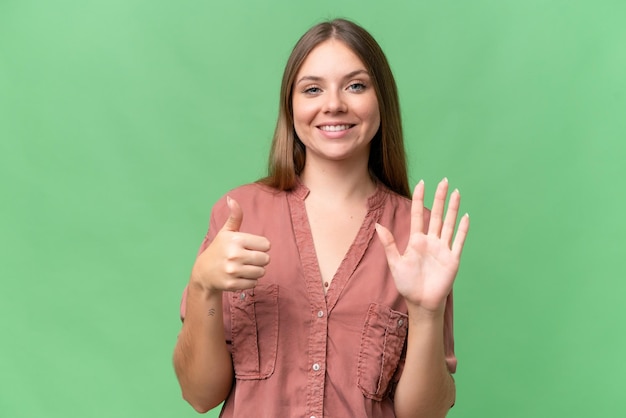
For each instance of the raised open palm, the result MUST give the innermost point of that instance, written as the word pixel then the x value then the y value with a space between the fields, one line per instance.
pixel 424 274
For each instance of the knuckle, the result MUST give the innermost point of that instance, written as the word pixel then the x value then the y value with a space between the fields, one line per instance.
pixel 230 285
pixel 232 254
pixel 230 269
pixel 231 257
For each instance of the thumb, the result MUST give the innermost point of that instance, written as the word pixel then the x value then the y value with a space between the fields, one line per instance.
pixel 389 244
pixel 233 223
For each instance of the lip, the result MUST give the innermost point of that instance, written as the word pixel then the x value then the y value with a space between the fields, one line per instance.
pixel 335 134
pixel 347 126
pixel 335 123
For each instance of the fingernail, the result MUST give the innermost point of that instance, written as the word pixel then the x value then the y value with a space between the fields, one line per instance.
pixel 445 179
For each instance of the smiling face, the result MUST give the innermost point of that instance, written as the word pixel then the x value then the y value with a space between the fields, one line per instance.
pixel 335 109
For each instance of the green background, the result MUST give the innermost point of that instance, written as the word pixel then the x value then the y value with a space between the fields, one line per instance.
pixel 122 121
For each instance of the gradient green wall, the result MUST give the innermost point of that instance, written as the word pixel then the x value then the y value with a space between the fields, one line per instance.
pixel 122 121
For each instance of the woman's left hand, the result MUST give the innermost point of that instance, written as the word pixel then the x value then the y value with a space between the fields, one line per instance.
pixel 424 274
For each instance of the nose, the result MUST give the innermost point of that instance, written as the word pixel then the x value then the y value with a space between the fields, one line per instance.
pixel 335 102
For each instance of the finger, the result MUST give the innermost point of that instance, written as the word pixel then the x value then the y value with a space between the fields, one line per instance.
pixel 251 272
pixel 436 213
pixel 417 209
pixel 461 234
pixel 255 258
pixel 453 210
pixel 233 223
pixel 389 244
pixel 241 284
pixel 240 271
pixel 252 242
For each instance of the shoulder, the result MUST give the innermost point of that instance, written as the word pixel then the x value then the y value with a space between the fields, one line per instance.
pixel 400 206
pixel 254 193
pixel 397 201
pixel 249 192
pixel 255 199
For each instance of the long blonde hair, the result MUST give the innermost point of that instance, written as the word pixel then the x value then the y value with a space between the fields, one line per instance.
pixel 387 160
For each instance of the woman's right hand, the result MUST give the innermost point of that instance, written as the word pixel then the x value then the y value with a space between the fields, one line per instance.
pixel 234 260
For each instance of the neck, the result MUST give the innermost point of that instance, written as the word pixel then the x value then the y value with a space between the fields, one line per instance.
pixel 338 180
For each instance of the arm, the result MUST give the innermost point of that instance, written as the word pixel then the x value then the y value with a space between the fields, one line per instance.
pixel 424 276
pixel 233 261
pixel 426 388
pixel 201 359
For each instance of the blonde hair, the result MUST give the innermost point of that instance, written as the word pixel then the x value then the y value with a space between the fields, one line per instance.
pixel 387 160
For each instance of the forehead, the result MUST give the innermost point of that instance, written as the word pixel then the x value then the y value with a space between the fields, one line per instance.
pixel 331 57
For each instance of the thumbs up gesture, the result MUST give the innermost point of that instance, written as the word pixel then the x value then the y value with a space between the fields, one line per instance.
pixel 234 260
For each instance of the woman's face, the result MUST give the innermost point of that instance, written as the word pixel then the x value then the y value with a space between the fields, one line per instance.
pixel 335 109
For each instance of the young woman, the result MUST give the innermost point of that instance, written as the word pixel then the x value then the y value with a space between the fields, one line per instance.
pixel 294 307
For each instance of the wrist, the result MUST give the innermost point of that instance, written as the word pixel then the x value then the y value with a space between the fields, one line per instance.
pixel 197 289
pixel 202 303
pixel 420 313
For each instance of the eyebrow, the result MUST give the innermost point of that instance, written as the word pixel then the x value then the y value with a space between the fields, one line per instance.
pixel 316 78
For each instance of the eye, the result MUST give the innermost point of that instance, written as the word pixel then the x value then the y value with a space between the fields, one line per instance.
pixel 312 90
pixel 357 87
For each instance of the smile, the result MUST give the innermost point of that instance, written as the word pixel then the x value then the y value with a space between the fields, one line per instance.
pixel 335 128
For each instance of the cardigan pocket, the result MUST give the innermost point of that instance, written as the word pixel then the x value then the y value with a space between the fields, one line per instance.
pixel 254 328
pixel 382 341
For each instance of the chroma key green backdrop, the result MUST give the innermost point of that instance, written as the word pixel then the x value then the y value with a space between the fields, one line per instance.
pixel 122 121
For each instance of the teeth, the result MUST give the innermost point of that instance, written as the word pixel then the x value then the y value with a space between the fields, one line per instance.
pixel 334 128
